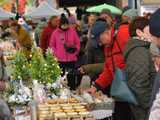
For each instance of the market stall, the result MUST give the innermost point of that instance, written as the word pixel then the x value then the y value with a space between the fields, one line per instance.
pixel 4 15
pixel 44 10
pixel 38 92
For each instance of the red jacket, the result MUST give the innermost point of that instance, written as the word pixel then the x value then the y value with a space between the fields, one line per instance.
pixel 106 77
pixel 45 36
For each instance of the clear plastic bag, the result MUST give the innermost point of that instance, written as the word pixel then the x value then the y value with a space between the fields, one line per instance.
pixel 39 93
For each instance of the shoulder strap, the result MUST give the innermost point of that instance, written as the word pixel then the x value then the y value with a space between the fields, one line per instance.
pixel 2 67
pixel 114 66
pixel 126 56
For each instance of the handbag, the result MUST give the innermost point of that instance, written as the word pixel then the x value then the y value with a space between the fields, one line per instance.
pixel 68 48
pixel 120 89
pixel 119 86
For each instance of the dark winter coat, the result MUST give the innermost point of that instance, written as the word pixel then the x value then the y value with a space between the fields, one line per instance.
pixel 141 74
pixel 93 56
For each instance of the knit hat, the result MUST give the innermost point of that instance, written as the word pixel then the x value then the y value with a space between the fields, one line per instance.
pixel 72 20
pixel 97 29
pixel 105 12
pixel 132 13
pixel 154 24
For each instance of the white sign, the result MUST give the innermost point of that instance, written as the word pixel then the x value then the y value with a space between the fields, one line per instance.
pixel 148 9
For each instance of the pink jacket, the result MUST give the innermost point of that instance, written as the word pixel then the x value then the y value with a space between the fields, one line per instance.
pixel 57 44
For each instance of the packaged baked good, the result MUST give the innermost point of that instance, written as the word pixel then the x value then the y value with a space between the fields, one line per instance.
pixel 72 113
pixel 66 105
pixel 84 113
pixel 57 111
pixel 79 107
pixel 55 108
pixel 69 111
pixel 80 110
pixel 67 108
pixel 53 101
pixel 44 112
pixel 60 115
pixel 43 108
pixel 72 100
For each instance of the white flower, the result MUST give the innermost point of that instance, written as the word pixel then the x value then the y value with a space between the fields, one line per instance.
pixel 19 77
pixel 49 85
pixel 12 98
pixel 54 85
pixel 54 96
pixel 30 55
pixel 57 66
pixel 45 64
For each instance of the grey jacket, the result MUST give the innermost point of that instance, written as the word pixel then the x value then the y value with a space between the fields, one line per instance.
pixel 140 70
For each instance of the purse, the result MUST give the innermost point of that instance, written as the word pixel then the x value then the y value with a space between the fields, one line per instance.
pixel 68 48
pixel 119 87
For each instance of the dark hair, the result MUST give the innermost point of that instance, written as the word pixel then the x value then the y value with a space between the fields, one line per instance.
pixel 51 18
pixel 63 20
pixel 148 15
pixel 68 12
pixel 138 23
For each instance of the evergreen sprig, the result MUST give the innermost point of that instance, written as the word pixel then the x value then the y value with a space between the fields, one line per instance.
pixel 44 69
pixel 52 68
pixel 20 67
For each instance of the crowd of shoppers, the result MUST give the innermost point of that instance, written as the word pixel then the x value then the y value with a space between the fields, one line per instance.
pixel 96 46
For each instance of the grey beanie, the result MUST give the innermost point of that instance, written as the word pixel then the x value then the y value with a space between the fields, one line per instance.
pixel 132 13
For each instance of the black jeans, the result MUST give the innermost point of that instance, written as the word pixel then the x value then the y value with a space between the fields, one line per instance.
pixel 69 67
pixel 122 111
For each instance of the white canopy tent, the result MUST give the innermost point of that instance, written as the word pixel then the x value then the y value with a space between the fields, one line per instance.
pixel 4 15
pixel 43 10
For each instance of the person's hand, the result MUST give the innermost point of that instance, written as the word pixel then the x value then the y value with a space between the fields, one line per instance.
pixel 92 90
pixel 18 46
pixel 157 63
pixel 81 70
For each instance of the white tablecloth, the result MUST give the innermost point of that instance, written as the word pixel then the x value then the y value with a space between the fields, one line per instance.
pixel 101 114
